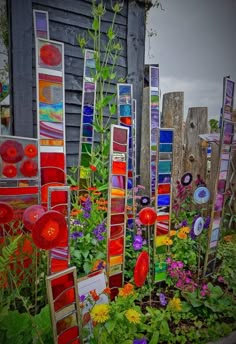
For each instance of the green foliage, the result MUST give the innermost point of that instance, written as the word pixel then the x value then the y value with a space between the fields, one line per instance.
pixel 22 328
pixel 226 255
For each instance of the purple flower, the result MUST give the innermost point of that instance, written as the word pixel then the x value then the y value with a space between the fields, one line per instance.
pixel 99 230
pixel 138 239
pixel 82 298
pixel 140 341
pixel 137 246
pixel 76 222
pixel 100 265
pixel 162 299
pixel 86 215
pixel 207 222
pixel 76 235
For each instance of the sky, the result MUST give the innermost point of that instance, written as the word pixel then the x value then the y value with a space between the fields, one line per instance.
pixel 194 43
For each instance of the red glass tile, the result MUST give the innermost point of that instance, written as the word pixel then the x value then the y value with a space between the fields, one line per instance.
pixel 29 190
pixel 162 228
pixel 119 148
pixel 117 219
pixel 52 160
pixel 115 282
pixel 57 197
pixel 52 174
pixel 118 167
pixel 68 336
pixel 120 135
pixel 61 283
pixel 116 231
pixel 164 217
pixel 130 174
pixel 58 265
pixel 126 120
pixel 116 246
pixel 117 205
pixel 163 188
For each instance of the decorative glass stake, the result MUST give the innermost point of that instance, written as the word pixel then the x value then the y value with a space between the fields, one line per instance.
pixel 163 195
pixel 117 202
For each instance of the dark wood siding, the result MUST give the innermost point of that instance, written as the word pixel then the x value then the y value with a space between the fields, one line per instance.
pixel 67 19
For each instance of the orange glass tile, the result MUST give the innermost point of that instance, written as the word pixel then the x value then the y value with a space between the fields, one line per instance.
pixel 116 260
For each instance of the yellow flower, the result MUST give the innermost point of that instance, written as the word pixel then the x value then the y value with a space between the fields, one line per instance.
pixel 181 235
pixel 175 304
pixel 172 232
pixel 133 316
pixel 100 313
pixel 185 230
pixel 168 242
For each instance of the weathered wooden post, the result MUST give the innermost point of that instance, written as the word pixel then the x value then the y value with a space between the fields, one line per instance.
pixel 195 156
pixel 172 117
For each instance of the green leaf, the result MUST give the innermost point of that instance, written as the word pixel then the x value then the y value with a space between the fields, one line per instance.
pixel 155 337
pixel 110 325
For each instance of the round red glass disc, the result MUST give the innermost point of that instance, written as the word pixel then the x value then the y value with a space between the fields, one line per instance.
pixel 50 230
pixel 147 216
pixel 141 269
pixel 6 213
pixel 50 55
pixel 31 215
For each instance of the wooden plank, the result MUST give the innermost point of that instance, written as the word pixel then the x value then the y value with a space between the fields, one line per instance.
pixel 172 117
pixel 195 157
pixel 21 62
pixel 135 55
pixel 80 7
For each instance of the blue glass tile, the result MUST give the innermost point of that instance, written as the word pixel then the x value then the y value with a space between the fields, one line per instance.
pixel 164 166
pixel 124 90
pixel 125 110
pixel 130 184
pixel 166 136
pixel 164 178
pixel 88 110
pixel 87 130
pixel 87 119
pixel 165 147
pixel 130 165
pixel 163 200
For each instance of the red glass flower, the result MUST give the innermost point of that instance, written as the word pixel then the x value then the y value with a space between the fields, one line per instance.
pixel 6 213
pixel 147 216
pixel 29 168
pixel 50 55
pixel 9 171
pixel 11 151
pixel 50 230
pixel 141 269
pixel 31 151
pixel 31 215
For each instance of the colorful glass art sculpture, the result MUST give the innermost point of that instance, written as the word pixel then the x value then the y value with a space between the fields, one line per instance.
pixel 147 216
pixel 117 202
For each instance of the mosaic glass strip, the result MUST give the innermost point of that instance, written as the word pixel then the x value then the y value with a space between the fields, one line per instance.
pixel 50 112
pixel 117 202
pixel 226 141
pixel 165 141
pixel 87 117
pixel 64 306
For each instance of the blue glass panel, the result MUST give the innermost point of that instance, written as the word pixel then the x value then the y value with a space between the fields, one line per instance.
pixel 87 130
pixel 163 200
pixel 165 147
pixel 88 110
pixel 166 136
pixel 125 110
pixel 130 166
pixel 164 178
pixel 164 166
pixel 130 184
pixel 87 119
pixel 124 89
